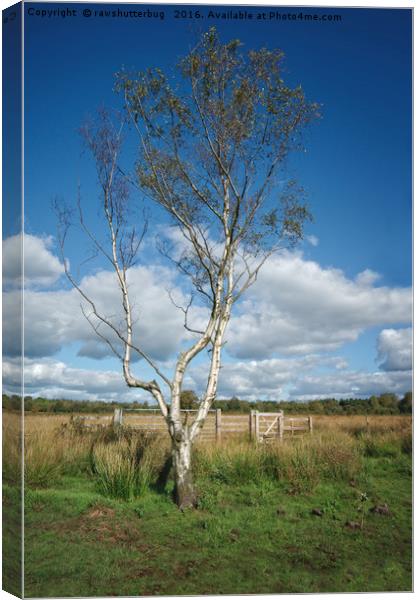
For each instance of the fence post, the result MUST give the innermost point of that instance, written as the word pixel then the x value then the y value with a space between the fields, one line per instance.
pixel 218 424
pixel 257 425
pixel 251 424
pixel 117 417
pixel 281 426
pixel 310 424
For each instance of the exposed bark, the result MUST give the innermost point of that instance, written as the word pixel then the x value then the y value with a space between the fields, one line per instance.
pixel 185 492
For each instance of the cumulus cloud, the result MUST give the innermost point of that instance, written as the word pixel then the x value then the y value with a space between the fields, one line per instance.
pixel 42 268
pixel 295 307
pixel 394 349
pixel 269 379
pixel 298 307
pixel 54 319
pixel 54 379
pixel 350 384
pixel 272 379
pixel 296 310
pixel 367 278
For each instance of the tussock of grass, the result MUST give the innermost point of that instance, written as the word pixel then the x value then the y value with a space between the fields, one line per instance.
pixel 12 448
pixel 49 450
pixel 44 463
pixel 126 467
pixel 387 444
pixel 126 463
pixel 301 462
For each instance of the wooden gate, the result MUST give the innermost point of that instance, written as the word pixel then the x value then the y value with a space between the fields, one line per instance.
pixel 266 427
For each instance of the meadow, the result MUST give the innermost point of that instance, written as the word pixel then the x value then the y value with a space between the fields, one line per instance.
pixel 327 512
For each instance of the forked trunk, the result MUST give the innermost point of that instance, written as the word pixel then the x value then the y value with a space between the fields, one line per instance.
pixel 185 493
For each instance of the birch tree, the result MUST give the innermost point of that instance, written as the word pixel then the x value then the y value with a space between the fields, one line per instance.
pixel 212 146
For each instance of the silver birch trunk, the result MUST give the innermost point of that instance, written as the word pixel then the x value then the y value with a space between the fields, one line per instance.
pixel 185 492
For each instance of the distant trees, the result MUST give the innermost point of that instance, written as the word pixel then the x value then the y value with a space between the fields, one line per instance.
pixel 188 400
pixel 12 402
pixel 386 404
pixel 406 403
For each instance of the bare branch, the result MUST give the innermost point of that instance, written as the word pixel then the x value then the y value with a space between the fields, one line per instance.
pixel 185 312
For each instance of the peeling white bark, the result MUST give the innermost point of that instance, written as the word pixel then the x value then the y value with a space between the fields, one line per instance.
pixel 182 462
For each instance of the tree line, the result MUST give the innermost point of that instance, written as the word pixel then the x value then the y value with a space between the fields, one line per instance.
pixel 384 404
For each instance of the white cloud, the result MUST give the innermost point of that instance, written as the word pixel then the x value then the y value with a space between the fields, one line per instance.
pixel 304 378
pixel 351 384
pixel 394 348
pixel 312 240
pixel 42 268
pixel 367 278
pixel 269 379
pixel 295 307
pixel 53 319
pixel 298 307
pixel 54 379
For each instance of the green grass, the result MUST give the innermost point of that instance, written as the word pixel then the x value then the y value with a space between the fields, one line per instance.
pixel 244 538
pixel 270 519
pixel 12 539
pixel 121 469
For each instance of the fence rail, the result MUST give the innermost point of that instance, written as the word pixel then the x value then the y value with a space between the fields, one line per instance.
pixel 259 426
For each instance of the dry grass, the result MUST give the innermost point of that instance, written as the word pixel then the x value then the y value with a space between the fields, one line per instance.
pixel 49 451
pixel 355 424
pixel 301 461
pixel 126 464
pixel 123 463
pixel 12 447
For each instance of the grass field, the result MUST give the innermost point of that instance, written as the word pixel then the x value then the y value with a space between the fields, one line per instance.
pixel 323 513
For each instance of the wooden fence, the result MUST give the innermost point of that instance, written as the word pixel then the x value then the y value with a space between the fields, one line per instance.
pixel 152 420
pixel 258 426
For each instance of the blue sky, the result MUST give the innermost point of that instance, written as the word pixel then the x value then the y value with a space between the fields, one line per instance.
pixel 356 172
